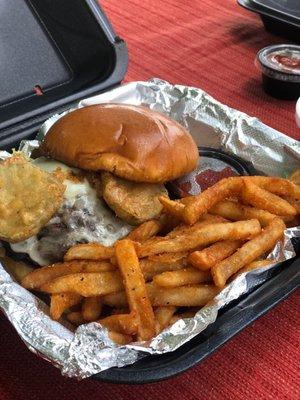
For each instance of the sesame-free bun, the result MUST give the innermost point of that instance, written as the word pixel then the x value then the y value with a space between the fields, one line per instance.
pixel 132 142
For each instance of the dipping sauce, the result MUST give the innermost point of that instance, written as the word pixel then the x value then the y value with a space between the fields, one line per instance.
pixel 280 68
pixel 213 166
pixel 286 61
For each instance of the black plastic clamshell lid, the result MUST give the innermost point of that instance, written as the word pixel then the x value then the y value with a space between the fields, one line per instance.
pixel 52 54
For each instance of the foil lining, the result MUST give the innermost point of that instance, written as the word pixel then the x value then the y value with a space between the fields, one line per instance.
pixel 88 350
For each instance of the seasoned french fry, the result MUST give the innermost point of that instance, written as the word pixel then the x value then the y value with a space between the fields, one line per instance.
pixel 205 220
pixel 203 236
pixel 61 302
pixel 89 251
pixel 163 316
pixel 40 276
pixel 206 258
pixel 86 284
pixel 91 308
pixel 170 258
pixel 135 288
pixel 275 185
pixel 183 296
pixel 145 231
pixel 202 203
pixel 235 211
pixel 186 276
pixel 119 338
pixel 173 207
pixel 123 323
pixel 151 268
pixel 253 265
pixel 261 198
pixel 249 252
pixel 295 177
pixel 75 318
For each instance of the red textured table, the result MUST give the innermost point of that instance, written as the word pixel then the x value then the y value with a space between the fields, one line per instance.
pixel 212 45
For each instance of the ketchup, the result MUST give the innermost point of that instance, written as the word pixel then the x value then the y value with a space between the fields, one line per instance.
pixel 209 177
pixel 288 62
pixel 202 180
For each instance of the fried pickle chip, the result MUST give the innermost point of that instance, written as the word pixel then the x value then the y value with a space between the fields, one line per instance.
pixel 133 202
pixel 28 198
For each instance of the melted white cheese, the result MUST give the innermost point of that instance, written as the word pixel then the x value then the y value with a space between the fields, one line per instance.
pixel 82 218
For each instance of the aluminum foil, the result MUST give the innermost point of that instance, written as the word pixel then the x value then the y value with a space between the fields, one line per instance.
pixel 88 350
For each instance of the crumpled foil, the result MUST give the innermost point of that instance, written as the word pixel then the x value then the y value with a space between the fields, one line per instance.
pixel 88 350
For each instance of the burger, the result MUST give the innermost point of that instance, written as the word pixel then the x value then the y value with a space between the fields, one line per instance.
pixel 113 161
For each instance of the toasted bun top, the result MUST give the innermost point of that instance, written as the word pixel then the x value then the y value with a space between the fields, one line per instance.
pixel 132 142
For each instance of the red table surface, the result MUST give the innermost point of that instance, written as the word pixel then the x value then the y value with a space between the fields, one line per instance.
pixel 211 45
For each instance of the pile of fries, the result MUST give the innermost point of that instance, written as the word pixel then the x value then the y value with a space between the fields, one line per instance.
pixel 169 268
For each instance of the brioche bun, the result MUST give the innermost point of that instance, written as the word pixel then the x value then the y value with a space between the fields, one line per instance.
pixel 132 142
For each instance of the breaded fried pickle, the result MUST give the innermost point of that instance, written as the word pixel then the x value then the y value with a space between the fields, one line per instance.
pixel 28 198
pixel 133 202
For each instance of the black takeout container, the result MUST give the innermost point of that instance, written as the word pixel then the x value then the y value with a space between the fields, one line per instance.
pixel 280 17
pixel 56 53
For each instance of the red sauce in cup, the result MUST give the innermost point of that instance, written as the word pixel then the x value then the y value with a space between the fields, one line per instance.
pixel 286 61
pixel 208 172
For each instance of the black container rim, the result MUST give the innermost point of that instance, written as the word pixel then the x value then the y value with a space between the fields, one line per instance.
pixel 279 8
pixel 264 11
pixel 241 166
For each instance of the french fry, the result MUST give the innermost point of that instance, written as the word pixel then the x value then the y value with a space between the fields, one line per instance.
pixel 151 268
pixel 173 207
pixel 275 185
pixel 135 288
pixel 119 338
pixel 205 220
pixel 89 251
pixel 203 236
pixel 235 211
pixel 76 318
pixel 206 258
pixel 145 231
pixel 122 323
pixel 202 203
pixel 261 198
pixel 163 316
pixel 249 252
pixel 295 177
pixel 183 296
pixel 252 266
pixel 61 302
pixel 186 276
pixel 86 284
pixel 91 308
pixel 40 276
pixel 169 258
